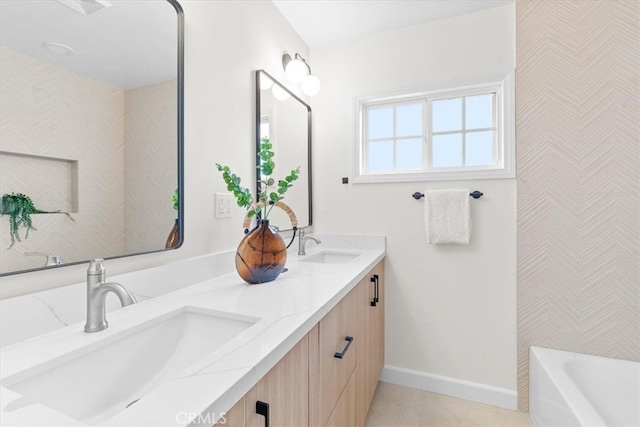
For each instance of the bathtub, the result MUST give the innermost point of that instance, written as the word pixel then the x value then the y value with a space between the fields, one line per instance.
pixel 572 389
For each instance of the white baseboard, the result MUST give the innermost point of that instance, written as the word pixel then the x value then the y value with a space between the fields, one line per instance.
pixel 477 392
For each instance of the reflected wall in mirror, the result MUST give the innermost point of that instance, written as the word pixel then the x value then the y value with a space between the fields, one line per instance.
pixel 91 124
pixel 286 120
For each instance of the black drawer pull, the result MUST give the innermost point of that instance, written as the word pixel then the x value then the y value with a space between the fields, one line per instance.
pixel 341 355
pixel 376 290
pixel 262 408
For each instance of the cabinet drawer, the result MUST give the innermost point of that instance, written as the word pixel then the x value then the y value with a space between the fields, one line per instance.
pixel 344 414
pixel 333 371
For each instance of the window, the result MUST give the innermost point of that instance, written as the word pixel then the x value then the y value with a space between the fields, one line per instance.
pixel 457 132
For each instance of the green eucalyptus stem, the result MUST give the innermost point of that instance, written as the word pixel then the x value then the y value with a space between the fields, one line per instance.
pixel 266 169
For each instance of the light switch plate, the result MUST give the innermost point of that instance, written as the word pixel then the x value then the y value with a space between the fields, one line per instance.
pixel 223 204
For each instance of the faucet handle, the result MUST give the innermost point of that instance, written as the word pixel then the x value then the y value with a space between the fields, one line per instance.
pixel 96 266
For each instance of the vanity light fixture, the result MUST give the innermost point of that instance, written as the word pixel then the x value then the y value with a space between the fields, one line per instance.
pixel 298 71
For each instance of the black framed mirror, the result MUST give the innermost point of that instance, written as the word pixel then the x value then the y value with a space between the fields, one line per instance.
pixel 285 120
pixel 91 123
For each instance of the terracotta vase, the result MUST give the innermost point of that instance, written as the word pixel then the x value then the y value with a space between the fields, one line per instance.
pixel 174 236
pixel 261 255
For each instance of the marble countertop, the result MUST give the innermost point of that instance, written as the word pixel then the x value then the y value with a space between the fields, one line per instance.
pixel 287 308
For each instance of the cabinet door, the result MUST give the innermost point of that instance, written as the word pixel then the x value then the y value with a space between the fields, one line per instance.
pixel 343 414
pixel 333 372
pixel 378 336
pixel 370 326
pixel 285 389
pixel 233 417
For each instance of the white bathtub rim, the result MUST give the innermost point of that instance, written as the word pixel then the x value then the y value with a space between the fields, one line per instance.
pixel 577 402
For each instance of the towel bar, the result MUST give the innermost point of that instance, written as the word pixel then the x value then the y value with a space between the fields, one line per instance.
pixel 476 195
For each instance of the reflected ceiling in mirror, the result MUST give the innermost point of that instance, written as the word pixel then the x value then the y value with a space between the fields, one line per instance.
pixel 285 120
pixel 91 123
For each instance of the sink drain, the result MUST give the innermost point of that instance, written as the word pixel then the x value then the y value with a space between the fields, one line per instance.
pixel 131 403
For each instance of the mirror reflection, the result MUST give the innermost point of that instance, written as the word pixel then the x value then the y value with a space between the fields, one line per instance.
pixel 285 120
pixel 91 125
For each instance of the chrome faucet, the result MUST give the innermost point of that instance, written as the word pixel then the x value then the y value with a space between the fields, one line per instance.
pixel 302 241
pixel 51 259
pixel 97 290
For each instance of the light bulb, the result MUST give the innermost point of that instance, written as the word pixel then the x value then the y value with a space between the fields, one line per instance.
pixel 279 93
pixel 310 85
pixel 296 70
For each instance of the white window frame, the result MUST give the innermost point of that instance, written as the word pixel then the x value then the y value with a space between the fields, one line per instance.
pixel 504 139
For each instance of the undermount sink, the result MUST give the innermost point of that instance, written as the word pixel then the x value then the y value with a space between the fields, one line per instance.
pixel 331 257
pixel 93 385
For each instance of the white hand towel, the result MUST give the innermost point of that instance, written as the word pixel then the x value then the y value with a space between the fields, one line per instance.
pixel 447 216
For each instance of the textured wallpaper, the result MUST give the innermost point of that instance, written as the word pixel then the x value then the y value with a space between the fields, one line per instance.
pixel 150 141
pixel 79 145
pixel 72 120
pixel 578 153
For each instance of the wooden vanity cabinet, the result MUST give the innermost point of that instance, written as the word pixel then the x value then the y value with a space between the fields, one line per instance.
pixel 341 395
pixel 234 417
pixel 370 303
pixel 326 379
pixel 285 389
pixel 283 393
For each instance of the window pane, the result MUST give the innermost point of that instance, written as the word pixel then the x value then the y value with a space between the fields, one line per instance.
pixel 409 154
pixel 447 150
pixel 380 123
pixel 264 130
pixel 479 111
pixel 447 115
pixel 380 156
pixel 479 148
pixel 409 120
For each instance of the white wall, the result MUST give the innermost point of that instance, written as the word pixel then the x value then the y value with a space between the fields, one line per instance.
pixel 451 310
pixel 225 41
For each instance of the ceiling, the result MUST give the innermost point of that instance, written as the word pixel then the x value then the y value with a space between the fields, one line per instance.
pixel 130 44
pixel 324 22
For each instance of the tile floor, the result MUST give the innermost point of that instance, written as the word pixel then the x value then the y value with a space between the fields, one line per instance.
pixel 398 406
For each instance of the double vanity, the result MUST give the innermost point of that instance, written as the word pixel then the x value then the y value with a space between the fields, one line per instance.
pixel 306 349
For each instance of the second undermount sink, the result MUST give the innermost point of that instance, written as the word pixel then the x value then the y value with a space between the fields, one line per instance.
pixel 93 385
pixel 331 257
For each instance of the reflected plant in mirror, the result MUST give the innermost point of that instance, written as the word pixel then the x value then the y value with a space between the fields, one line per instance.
pixel 91 123
pixel 19 208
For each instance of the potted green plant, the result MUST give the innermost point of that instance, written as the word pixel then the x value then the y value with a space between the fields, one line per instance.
pixel 262 254
pixel 19 208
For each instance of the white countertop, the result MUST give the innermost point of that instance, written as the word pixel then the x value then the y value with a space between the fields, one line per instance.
pixel 287 307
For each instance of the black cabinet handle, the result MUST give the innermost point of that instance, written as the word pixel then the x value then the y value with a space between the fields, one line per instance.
pixel 341 355
pixel 375 293
pixel 376 290
pixel 262 408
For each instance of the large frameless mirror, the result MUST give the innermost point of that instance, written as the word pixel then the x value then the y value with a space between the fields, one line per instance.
pixel 91 119
pixel 285 120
